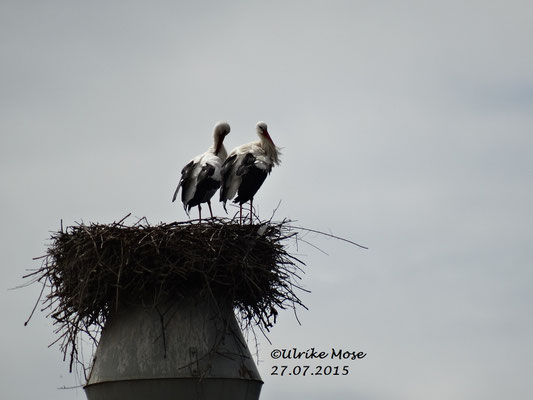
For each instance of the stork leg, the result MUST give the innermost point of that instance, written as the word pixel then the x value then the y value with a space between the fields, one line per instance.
pixel 199 213
pixel 210 210
pixel 240 213
pixel 251 202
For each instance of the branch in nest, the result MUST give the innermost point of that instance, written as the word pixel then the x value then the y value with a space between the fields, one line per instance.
pixel 91 269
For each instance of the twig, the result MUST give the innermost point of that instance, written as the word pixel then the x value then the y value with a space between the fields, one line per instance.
pixel 330 235
pixel 35 306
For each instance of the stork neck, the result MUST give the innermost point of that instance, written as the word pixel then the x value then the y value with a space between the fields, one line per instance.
pixel 219 150
pixel 218 145
pixel 270 149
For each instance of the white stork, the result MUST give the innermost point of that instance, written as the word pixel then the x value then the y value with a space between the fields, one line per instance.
pixel 247 167
pixel 200 178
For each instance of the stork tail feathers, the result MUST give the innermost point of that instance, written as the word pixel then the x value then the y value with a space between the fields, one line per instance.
pixel 176 193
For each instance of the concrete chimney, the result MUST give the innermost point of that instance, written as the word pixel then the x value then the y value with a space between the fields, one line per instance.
pixel 191 349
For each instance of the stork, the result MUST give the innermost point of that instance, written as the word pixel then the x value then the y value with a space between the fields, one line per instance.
pixel 201 177
pixel 247 167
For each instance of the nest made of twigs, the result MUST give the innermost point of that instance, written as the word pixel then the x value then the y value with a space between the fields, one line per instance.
pixel 90 269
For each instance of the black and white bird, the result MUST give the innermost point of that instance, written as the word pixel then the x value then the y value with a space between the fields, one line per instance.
pixel 247 167
pixel 201 177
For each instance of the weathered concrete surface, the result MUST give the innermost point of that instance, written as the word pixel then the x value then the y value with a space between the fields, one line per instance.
pixel 183 350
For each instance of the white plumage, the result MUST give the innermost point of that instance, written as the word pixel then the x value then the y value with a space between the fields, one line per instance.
pixel 247 167
pixel 201 177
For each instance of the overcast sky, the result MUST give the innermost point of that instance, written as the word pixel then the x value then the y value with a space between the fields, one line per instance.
pixel 405 126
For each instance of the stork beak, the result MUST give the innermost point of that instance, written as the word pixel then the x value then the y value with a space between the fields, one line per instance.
pixel 265 133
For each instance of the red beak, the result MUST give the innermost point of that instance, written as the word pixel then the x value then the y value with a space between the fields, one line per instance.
pixel 265 133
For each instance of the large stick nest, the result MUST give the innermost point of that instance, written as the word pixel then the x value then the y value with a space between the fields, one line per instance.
pixel 91 269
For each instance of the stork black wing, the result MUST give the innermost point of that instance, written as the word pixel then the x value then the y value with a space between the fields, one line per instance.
pixel 185 176
pixel 252 179
pixel 206 186
pixel 226 173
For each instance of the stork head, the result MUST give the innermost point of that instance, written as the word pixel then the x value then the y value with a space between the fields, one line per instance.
pixel 221 130
pixel 262 131
pixel 267 144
